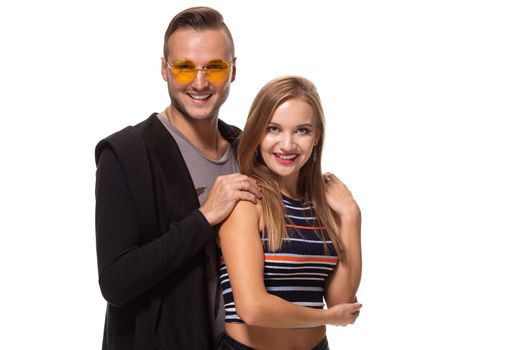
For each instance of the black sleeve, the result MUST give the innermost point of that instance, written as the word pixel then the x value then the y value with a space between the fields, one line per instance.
pixel 125 267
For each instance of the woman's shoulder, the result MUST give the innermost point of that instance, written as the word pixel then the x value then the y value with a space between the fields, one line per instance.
pixel 246 208
pixel 245 213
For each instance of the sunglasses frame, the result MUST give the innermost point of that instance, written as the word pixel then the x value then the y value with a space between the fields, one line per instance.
pixel 195 69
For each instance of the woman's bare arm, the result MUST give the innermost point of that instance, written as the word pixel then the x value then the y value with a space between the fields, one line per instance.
pixel 244 257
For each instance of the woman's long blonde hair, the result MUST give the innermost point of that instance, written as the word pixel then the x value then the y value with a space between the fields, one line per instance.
pixel 311 186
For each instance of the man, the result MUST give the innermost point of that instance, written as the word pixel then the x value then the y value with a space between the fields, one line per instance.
pixel 162 186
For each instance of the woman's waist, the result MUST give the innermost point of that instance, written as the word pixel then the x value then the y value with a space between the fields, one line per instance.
pixel 276 338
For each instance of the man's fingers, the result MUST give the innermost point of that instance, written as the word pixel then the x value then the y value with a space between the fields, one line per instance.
pixel 236 177
pixel 247 196
pixel 250 185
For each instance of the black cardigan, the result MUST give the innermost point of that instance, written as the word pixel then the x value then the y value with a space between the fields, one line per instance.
pixel 151 239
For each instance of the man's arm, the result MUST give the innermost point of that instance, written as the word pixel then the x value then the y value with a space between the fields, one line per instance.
pixel 127 268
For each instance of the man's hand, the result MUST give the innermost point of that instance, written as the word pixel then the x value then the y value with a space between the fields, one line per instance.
pixel 225 193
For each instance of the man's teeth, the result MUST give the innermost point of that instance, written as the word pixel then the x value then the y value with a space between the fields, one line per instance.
pixel 199 97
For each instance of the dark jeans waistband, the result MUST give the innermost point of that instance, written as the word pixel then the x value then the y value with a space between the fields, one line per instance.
pixel 228 343
pixel 323 345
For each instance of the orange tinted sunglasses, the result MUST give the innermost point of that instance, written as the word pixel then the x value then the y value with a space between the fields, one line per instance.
pixel 185 71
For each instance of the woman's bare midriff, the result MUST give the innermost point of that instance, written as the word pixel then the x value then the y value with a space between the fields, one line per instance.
pixel 262 338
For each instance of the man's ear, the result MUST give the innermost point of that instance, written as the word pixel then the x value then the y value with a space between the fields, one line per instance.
pixel 164 69
pixel 234 69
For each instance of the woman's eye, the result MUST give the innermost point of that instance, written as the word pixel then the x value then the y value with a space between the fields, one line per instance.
pixel 272 129
pixel 303 131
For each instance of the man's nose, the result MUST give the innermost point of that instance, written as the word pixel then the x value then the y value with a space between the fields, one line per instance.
pixel 200 82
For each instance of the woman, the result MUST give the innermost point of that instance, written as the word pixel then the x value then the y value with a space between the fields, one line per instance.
pixel 301 242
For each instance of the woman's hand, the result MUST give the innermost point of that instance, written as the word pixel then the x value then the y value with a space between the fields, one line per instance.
pixel 344 314
pixel 340 199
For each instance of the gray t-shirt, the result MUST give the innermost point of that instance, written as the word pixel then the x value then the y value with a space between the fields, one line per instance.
pixel 204 171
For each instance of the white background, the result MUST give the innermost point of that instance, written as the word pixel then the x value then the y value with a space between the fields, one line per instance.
pixel 424 101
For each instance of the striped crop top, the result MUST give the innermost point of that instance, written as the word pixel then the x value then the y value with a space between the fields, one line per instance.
pixel 298 271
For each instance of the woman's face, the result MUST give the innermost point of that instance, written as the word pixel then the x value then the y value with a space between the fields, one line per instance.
pixel 289 139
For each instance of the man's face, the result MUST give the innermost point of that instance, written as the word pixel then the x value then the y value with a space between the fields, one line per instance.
pixel 199 99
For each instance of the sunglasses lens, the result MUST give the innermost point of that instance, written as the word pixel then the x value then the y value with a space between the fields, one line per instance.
pixel 217 71
pixel 183 71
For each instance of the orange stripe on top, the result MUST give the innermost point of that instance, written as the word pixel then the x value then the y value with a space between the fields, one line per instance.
pixel 301 258
pixel 305 227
